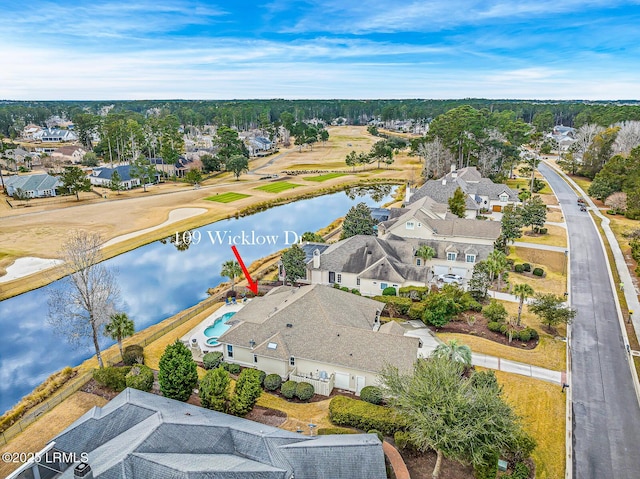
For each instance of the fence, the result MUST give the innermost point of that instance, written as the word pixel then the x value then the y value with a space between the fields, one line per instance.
pixel 79 381
pixel 321 386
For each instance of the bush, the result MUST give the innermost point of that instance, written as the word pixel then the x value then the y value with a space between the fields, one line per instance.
pixel 533 334
pixel 519 268
pixel 520 471
pixel 510 263
pixel 474 306
pixel 403 304
pixel 495 312
pixel 345 411
pixel 527 267
pixel 355 291
pixel 371 394
pixel 247 391
pixel 524 335
pixel 542 231
pixel 416 311
pixel 140 377
pixel 261 375
pixel 377 433
pixel 325 431
pixel 494 326
pixel 389 291
pixel 112 377
pixel 272 382
pixel 288 389
pixel 178 374
pixel 415 293
pixel 504 328
pixel 212 360
pixel 489 470
pixel 305 391
pixel 214 389
pixel 133 354
pixel 403 440
pixel 538 272
pixel 232 368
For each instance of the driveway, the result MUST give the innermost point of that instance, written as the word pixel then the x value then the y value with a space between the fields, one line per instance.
pixel 606 415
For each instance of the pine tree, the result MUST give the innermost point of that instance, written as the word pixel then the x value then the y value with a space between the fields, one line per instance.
pixel 458 203
pixel 178 374
pixel 358 221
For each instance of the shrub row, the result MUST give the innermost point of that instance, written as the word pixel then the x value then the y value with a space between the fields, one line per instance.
pixel 212 360
pixel 344 411
pixel 538 272
pixel 112 377
pixel 303 391
pixel 524 335
pixel 232 368
pixel 403 304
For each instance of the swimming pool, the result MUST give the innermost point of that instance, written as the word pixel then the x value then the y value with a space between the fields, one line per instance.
pixel 218 328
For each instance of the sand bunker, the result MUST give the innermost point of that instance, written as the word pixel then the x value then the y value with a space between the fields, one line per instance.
pixel 26 266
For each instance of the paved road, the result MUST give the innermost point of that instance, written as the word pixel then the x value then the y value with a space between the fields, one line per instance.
pixel 606 415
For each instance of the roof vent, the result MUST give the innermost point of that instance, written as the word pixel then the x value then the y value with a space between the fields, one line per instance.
pixel 289 325
pixel 83 470
pixel 369 252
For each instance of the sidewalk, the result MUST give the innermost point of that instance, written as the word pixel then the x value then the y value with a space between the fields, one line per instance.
pixel 524 244
pixel 430 342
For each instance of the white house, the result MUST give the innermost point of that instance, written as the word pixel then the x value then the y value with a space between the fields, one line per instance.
pixel 102 177
pixel 71 154
pixel 54 135
pixel 34 186
pixel 317 334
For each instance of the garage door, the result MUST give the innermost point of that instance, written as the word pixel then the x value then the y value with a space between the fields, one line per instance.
pixel 342 381
pixel 459 271
pixel 440 270
pixel 497 208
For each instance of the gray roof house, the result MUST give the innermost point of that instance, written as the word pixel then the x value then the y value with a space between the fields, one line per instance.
pixel 317 334
pixel 139 435
pixel 482 193
pixel 54 135
pixel 34 186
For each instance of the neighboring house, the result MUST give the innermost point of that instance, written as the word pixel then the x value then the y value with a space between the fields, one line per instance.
pixel 368 264
pixel 139 435
pixel 259 145
pixel 66 154
pixel 179 168
pixel 34 186
pixel 459 242
pixel 317 334
pixel 482 193
pixel 102 177
pixel 20 156
pixel 29 130
pixel 54 135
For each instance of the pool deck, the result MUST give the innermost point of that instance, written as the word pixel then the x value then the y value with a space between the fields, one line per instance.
pixel 199 347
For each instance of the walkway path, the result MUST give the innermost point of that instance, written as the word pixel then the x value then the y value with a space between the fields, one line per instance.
pixel 524 244
pixel 430 342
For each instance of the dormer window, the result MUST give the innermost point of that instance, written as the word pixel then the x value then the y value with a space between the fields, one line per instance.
pixel 504 197
pixel 410 225
pixel 452 256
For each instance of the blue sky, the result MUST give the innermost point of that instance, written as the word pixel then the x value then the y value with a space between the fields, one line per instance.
pixel 123 49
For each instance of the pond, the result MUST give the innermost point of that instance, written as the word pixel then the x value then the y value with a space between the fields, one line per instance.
pixel 157 281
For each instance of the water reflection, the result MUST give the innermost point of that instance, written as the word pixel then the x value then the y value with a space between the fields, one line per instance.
pixel 156 281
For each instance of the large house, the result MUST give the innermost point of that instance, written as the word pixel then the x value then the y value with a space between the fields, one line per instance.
pixel 102 177
pixel 139 435
pixel 317 334
pixel 482 194
pixel 54 135
pixel 70 154
pixel 33 186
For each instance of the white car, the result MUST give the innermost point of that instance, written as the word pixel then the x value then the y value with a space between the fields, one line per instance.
pixel 450 278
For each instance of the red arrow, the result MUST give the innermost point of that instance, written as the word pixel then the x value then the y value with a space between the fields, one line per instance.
pixel 253 286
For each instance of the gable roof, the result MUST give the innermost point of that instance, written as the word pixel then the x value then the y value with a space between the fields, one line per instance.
pixel 321 324
pixel 32 182
pixel 106 173
pixel 441 190
pixel 141 435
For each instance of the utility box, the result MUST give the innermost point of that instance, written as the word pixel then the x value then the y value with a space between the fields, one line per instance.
pixel 502 465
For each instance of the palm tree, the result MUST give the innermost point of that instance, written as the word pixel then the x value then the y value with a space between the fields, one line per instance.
pixel 497 264
pixel 118 328
pixel 454 351
pixel 523 292
pixel 231 269
pixel 426 252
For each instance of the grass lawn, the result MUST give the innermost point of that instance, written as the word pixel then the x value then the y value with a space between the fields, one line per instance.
pixel 299 415
pixel 582 182
pixel 227 197
pixel 328 176
pixel 38 434
pixel 542 406
pixel 277 187
pixel 556 236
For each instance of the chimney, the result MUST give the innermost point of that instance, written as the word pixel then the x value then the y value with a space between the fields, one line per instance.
pixel 83 471
pixel 444 181
pixel 453 168
pixel 407 194
pixel 316 259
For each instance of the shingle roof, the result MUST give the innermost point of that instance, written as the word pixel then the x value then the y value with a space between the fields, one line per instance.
pixel 144 436
pixel 123 170
pixel 326 325
pixel 32 182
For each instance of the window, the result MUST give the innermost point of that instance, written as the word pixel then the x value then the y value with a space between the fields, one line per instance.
pixel 410 225
pixel 418 262
pixel 255 358
pixel 383 285
pixel 229 350
pixel 339 278
pixel 357 281
pixel 292 361
pixel 452 256
pixel 471 258
pixel 504 197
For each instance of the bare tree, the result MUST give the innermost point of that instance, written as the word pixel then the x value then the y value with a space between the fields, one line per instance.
pixel 80 307
pixel 628 136
pixel 585 135
pixel 436 157
pixel 617 202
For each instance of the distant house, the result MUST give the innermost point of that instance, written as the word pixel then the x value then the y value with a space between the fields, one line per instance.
pixel 317 334
pixel 54 135
pixel 481 193
pixel 29 130
pixel 102 177
pixel 20 156
pixel 259 145
pixel 179 168
pixel 70 154
pixel 141 435
pixel 34 186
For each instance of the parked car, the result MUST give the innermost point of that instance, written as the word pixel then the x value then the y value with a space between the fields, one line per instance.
pixel 583 208
pixel 450 278
pixel 581 201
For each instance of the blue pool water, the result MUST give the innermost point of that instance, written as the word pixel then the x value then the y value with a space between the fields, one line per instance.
pixel 218 328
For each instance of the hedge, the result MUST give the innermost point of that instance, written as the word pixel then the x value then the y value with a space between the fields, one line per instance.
pixel 288 389
pixel 133 354
pixel 232 368
pixel 325 431
pixel 519 268
pixel 345 411
pixel 112 377
pixel 389 291
pixel 371 394
pixel 377 433
pixel 272 382
pixel 305 391
pixel 212 360
pixel 520 471
pixel 140 377
pixel 403 304
pixel 416 311
pixel 415 293
pixel 527 267
pixel 538 272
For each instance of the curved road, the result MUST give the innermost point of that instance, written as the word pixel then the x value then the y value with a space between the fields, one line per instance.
pixel 606 414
